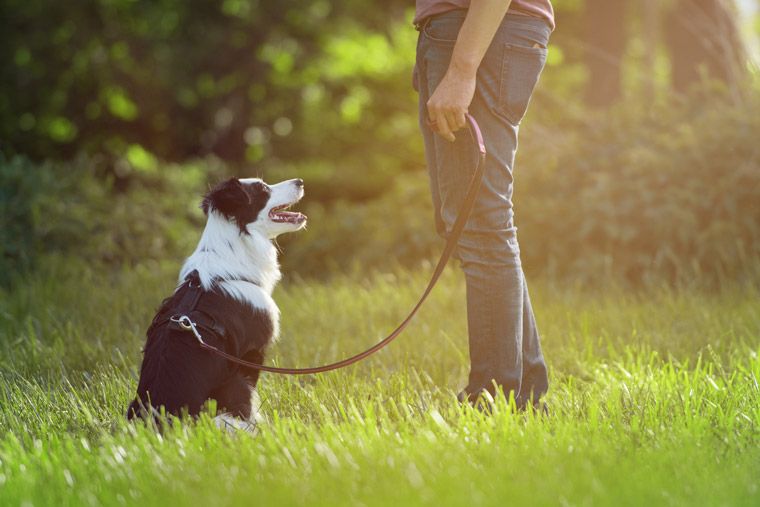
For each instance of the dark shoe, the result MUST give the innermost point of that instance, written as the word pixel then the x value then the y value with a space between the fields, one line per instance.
pixel 482 400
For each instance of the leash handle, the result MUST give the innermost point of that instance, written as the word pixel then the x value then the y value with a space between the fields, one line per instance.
pixel 477 136
pixel 451 243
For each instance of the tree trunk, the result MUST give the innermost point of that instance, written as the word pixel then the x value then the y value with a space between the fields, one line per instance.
pixel 703 38
pixel 604 45
pixel 651 29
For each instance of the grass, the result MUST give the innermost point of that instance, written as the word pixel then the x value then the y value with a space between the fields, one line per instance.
pixel 655 400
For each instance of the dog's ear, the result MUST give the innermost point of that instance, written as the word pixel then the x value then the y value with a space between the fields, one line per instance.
pixel 229 198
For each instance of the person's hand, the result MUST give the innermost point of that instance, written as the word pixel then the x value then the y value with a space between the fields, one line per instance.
pixel 449 103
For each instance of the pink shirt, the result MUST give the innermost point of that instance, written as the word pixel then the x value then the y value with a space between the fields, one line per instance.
pixel 537 8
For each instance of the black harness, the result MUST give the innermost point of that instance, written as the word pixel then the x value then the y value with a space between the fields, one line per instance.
pixel 204 308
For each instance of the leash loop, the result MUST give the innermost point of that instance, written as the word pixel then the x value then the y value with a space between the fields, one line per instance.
pixel 451 242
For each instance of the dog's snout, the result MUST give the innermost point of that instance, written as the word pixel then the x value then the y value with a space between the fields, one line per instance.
pixel 298 182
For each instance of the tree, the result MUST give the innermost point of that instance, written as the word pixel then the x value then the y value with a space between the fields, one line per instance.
pixel 702 37
pixel 604 44
pixel 187 78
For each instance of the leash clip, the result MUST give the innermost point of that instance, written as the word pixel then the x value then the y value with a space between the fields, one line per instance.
pixel 188 325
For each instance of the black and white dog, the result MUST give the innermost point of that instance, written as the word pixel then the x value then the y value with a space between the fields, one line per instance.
pixel 225 288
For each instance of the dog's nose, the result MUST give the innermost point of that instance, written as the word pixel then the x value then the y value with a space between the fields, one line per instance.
pixel 298 182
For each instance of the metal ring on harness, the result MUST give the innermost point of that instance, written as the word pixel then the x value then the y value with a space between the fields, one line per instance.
pixel 187 324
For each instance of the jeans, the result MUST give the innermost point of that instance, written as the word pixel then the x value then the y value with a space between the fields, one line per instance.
pixel 505 351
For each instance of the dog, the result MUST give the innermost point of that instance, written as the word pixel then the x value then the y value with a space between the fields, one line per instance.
pixel 225 288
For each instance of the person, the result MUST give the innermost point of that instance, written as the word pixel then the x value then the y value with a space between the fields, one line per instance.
pixel 484 58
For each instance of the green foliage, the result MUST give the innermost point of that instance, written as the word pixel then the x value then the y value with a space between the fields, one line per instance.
pixel 654 401
pixel 40 210
pixel 66 208
pixel 394 229
pixel 668 194
pixel 254 82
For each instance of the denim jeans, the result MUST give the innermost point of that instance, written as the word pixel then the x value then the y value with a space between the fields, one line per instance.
pixel 505 352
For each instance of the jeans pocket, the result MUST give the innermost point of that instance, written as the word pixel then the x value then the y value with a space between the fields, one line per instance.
pixel 520 69
pixel 443 30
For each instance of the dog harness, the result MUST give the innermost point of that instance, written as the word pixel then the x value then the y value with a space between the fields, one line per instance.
pixel 201 308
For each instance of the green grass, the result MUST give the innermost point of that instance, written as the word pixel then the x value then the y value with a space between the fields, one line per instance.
pixel 654 398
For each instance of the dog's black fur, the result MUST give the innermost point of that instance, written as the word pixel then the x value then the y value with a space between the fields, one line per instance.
pixel 238 202
pixel 179 376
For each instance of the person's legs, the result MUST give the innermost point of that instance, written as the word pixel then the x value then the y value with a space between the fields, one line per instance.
pixel 504 341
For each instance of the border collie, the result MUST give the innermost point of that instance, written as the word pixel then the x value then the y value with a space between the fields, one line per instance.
pixel 225 288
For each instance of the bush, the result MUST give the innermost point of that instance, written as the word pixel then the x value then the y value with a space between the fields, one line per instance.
pixel 71 209
pixel 668 193
pixel 664 193
pixel 395 229
pixel 37 213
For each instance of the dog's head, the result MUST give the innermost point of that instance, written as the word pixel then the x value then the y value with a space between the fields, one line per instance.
pixel 255 206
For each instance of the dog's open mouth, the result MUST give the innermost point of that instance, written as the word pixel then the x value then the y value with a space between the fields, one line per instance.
pixel 279 214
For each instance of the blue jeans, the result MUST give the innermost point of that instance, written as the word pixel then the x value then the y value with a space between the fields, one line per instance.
pixel 505 352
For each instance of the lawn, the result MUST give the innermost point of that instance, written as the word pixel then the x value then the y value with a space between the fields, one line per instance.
pixel 654 400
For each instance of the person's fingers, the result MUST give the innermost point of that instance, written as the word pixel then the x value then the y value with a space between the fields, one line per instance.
pixel 461 120
pixel 432 110
pixel 440 121
pixel 455 119
pixel 444 128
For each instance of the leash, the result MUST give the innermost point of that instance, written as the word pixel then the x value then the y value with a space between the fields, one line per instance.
pixel 187 324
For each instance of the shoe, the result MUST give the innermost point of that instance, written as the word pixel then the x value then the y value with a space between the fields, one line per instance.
pixel 481 400
pixel 484 401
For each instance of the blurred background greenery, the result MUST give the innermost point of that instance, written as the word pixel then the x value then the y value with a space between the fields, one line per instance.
pixel 639 159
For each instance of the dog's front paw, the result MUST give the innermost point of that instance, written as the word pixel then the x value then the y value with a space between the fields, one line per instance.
pixel 234 425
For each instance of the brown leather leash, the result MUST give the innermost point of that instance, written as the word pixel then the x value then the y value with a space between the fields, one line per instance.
pixel 187 324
